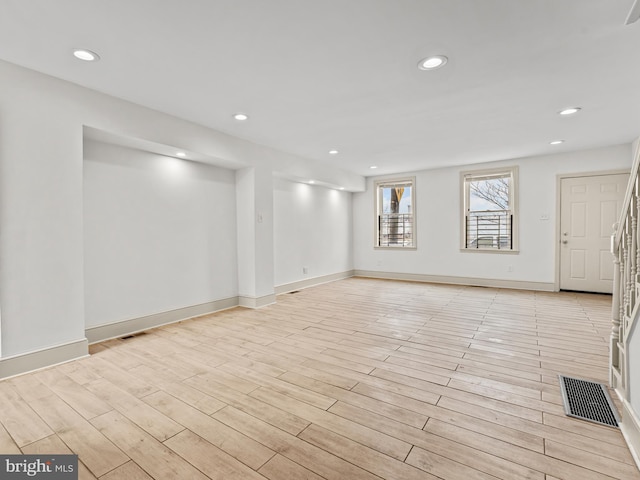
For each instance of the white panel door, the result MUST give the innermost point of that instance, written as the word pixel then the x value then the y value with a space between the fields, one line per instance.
pixel 589 206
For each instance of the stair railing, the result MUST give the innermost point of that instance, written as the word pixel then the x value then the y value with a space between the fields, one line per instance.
pixel 625 247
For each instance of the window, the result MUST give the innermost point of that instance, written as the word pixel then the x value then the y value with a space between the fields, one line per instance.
pixel 395 213
pixel 489 210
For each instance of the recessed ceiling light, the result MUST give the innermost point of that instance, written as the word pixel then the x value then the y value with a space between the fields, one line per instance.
pixel 569 111
pixel 373 166
pixel 86 55
pixel 333 152
pixel 432 62
pixel 556 142
pixel 241 116
pixel 181 154
pixel 341 188
pixel 312 181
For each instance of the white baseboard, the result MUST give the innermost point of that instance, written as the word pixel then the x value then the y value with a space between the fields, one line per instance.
pixel 108 331
pixel 43 358
pixel 311 282
pixel 630 427
pixel 256 302
pixel 18 364
pixel 475 282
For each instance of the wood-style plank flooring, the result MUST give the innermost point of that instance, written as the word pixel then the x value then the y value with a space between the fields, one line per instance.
pixel 356 379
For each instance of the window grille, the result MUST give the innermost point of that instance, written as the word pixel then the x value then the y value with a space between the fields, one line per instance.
pixel 395 214
pixel 489 218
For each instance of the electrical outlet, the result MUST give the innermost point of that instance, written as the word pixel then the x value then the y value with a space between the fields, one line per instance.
pixel 509 268
pixel 305 270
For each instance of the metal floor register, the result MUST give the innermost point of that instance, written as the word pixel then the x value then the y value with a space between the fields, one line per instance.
pixel 588 401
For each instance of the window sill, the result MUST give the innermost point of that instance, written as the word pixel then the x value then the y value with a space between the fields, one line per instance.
pixel 400 249
pixel 490 250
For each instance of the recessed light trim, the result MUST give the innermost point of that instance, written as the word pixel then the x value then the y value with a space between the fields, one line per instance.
pixel 333 152
pixel 373 167
pixel 86 55
pixel 433 62
pixel 556 142
pixel 312 182
pixel 341 188
pixel 569 111
pixel 241 117
pixel 181 154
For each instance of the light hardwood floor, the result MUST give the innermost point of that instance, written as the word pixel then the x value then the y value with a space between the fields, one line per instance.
pixel 356 379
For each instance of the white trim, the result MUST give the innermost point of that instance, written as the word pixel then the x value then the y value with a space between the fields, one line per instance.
pixel 634 13
pixel 630 428
pixel 377 201
pixel 108 331
pixel 312 282
pixel 557 239
pixel 43 358
pixel 256 302
pixel 490 250
pixel 469 281
pixel 511 172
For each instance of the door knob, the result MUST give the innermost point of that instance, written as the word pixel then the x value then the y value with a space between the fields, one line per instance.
pixel 565 242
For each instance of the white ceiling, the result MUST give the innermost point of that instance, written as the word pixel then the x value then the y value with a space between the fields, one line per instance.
pixel 317 75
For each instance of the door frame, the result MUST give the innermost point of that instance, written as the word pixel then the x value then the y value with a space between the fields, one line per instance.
pixel 557 235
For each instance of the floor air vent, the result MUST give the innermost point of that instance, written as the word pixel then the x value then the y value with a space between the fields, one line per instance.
pixel 588 401
pixel 133 335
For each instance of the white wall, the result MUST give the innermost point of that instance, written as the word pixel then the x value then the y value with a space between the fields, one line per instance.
pixel 254 194
pixel 159 233
pixel 245 200
pixel 41 198
pixel 41 279
pixel 438 213
pixel 633 359
pixel 312 228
